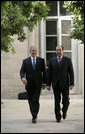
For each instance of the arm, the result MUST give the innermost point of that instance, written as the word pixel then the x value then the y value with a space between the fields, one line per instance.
pixel 44 74
pixel 49 76
pixel 71 74
pixel 22 73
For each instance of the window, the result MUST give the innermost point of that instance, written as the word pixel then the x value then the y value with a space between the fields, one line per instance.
pixel 56 8
pixel 63 10
pixel 66 26
pixel 66 41
pixel 51 43
pixel 51 28
pixel 53 8
pixel 57 29
pixel 51 38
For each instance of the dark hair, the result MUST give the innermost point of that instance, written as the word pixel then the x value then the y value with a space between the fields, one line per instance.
pixel 61 46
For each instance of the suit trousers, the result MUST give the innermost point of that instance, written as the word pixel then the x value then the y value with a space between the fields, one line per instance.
pixel 58 94
pixel 33 93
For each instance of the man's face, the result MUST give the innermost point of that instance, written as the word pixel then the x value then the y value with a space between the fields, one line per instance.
pixel 59 51
pixel 33 52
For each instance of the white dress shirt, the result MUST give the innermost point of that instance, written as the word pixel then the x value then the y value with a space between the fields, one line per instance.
pixel 60 58
pixel 32 60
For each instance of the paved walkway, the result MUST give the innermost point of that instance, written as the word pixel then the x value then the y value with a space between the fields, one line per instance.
pixel 16 117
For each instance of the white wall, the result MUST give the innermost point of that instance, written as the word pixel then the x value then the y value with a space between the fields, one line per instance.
pixel 81 68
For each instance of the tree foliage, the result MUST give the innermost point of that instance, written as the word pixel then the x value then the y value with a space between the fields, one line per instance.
pixel 15 15
pixel 76 8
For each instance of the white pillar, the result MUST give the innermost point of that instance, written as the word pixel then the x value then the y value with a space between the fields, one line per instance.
pixel 42 39
pixel 81 68
pixel 75 66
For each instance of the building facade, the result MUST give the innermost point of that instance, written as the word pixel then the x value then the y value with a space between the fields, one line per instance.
pixel 46 35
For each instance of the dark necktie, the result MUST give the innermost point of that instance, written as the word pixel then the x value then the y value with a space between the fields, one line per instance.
pixel 33 64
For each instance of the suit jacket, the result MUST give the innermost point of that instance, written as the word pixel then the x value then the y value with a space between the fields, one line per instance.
pixel 62 73
pixel 38 76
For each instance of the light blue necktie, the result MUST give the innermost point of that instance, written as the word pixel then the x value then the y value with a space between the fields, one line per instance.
pixel 33 63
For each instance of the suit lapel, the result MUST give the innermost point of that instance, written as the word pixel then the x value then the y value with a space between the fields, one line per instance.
pixel 56 62
pixel 30 63
pixel 62 61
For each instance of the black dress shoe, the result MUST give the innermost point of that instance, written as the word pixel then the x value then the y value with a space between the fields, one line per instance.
pixel 64 116
pixel 34 120
pixel 58 120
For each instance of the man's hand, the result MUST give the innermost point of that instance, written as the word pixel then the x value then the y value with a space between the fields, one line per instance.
pixel 24 81
pixel 48 88
pixel 71 87
pixel 43 86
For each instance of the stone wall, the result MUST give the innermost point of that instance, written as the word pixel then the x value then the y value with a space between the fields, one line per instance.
pixel 11 84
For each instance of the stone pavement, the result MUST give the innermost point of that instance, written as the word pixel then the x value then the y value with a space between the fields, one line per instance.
pixel 16 117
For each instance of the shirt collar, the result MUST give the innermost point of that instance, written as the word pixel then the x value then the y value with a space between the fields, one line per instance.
pixel 33 58
pixel 60 57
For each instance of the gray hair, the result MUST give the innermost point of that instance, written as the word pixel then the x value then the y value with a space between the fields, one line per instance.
pixel 31 47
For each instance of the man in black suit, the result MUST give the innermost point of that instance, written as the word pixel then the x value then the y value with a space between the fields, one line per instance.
pixel 33 76
pixel 60 73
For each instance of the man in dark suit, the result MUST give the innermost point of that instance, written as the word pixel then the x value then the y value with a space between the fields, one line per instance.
pixel 33 76
pixel 60 73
